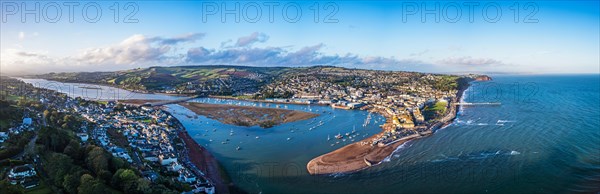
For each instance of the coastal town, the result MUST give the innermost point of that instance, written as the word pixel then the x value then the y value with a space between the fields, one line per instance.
pixel 299 97
pixel 413 104
pixel 147 138
pixel 156 144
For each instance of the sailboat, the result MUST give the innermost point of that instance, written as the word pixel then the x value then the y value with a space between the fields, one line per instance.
pixel 338 136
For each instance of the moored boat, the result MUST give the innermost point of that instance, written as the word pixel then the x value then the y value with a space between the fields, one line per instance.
pixel 368 162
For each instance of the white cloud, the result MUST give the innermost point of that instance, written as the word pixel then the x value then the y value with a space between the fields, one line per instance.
pixel 21 35
pixel 306 56
pixel 25 62
pixel 251 39
pixel 144 51
pixel 137 49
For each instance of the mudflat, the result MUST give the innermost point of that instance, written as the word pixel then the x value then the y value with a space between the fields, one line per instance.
pixel 247 115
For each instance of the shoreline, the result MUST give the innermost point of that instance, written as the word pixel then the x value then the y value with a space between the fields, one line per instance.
pixel 202 159
pixel 107 85
pixel 350 158
pixel 262 101
pixel 361 155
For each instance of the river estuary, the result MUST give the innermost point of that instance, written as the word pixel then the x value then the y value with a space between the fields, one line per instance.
pixel 543 138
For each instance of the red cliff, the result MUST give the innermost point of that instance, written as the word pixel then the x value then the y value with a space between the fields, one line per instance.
pixel 483 78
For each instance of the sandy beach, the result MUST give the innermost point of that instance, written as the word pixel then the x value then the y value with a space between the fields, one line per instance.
pixel 354 157
pixel 351 158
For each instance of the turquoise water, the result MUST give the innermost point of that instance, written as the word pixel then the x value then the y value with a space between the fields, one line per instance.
pixel 545 137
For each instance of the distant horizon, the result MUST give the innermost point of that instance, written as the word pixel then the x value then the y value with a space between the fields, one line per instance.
pixel 448 73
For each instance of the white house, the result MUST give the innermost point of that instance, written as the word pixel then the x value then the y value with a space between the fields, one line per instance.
pixel 175 166
pixel 3 136
pixel 23 171
pixel 166 159
pixel 355 105
pixel 83 136
pixel 27 121
pixel 187 177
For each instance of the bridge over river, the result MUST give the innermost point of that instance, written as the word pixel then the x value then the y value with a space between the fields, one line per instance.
pixel 165 102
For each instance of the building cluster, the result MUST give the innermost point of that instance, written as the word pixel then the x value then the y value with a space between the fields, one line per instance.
pixel 399 96
pixel 228 83
pixel 145 137
pixel 142 136
pixel 26 125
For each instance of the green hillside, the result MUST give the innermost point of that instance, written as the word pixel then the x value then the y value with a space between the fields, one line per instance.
pixel 155 79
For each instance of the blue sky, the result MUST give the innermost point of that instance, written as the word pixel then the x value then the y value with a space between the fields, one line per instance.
pixel 561 37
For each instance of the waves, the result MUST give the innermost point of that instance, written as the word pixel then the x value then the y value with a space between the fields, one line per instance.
pixel 476 122
pixel 482 155
pixel 402 146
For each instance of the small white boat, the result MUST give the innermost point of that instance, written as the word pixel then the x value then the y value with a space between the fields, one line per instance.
pixel 257 137
pixel 289 138
pixel 238 148
pixel 338 136
pixel 369 163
